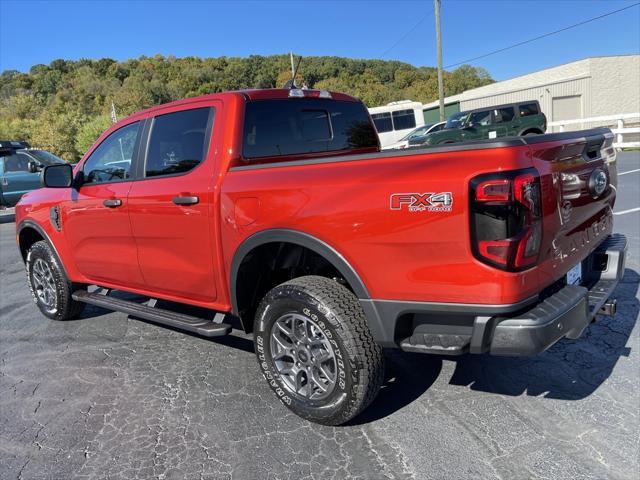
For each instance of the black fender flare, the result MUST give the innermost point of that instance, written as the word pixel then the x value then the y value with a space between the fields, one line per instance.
pixel 31 224
pixel 528 129
pixel 297 238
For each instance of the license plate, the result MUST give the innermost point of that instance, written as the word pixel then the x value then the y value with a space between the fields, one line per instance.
pixel 574 276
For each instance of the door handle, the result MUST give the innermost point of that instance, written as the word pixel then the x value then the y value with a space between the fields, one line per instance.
pixel 185 200
pixel 112 203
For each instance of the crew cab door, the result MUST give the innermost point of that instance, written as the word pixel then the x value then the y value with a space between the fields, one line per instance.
pixel 96 214
pixel 15 178
pixel 505 121
pixel 170 205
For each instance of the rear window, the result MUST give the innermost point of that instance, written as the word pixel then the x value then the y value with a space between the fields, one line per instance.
pixel 305 125
pixel 504 114
pixel 529 109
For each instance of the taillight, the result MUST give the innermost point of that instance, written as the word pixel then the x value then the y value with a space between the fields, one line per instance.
pixel 506 219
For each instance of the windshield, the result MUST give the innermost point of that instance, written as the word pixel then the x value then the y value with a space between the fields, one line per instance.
pixel 456 120
pixel 416 133
pixel 44 157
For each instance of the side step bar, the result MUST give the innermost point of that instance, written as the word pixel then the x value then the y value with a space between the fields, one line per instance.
pixel 201 326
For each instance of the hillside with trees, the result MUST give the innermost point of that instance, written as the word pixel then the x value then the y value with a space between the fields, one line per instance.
pixel 64 106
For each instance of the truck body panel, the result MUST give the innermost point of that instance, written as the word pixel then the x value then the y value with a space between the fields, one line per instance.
pixel 399 220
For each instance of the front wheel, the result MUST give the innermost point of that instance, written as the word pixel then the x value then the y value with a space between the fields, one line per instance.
pixel 50 287
pixel 315 350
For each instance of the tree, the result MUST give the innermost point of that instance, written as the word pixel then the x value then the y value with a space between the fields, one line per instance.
pixel 65 105
pixel 89 132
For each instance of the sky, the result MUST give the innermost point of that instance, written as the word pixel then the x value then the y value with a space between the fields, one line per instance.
pixel 34 32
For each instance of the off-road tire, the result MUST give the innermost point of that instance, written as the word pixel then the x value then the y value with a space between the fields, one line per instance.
pixel 341 319
pixel 64 307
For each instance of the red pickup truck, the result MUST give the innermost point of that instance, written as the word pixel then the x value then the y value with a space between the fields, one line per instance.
pixel 274 210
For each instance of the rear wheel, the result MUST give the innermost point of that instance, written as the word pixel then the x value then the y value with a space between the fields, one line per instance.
pixel 50 287
pixel 315 350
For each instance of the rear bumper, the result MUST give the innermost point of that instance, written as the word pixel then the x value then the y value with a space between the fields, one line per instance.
pixel 522 329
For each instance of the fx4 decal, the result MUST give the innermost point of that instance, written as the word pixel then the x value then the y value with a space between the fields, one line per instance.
pixel 422 202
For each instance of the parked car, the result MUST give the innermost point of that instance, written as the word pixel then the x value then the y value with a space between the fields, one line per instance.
pixel 276 212
pixel 20 170
pixel 514 119
pixel 416 136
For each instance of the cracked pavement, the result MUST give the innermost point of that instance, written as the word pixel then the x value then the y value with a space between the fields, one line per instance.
pixel 107 396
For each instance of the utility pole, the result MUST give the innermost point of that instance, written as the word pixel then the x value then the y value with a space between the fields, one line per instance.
pixel 436 9
pixel 293 69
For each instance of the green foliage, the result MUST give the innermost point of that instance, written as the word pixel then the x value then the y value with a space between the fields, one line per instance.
pixel 64 106
pixel 90 131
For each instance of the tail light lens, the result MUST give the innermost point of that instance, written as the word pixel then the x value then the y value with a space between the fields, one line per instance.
pixel 506 219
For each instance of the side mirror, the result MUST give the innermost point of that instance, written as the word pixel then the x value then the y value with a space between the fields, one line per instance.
pixel 470 126
pixel 33 166
pixel 57 176
pixel 78 180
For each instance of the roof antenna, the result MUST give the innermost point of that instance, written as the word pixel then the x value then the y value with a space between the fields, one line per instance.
pixel 294 71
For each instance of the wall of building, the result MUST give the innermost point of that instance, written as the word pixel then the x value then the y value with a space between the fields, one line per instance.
pixel 579 87
pixel 432 115
pixel 602 85
pixel 615 83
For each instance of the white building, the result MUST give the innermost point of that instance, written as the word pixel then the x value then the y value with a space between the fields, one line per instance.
pixel 593 87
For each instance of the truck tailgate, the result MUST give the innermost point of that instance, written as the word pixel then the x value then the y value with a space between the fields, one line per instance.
pixel 578 182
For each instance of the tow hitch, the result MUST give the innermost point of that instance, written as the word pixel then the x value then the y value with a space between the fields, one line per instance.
pixel 609 308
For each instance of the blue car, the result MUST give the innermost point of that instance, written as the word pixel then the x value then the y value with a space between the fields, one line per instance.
pixel 20 170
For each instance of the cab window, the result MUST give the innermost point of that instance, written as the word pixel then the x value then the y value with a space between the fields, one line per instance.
pixel 504 115
pixel 111 161
pixel 178 141
pixel 528 109
pixel 480 118
pixel 16 162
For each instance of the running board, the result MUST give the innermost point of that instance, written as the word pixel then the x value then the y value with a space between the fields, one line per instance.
pixel 201 326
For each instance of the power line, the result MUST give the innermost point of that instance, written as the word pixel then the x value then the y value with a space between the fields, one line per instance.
pixel 543 36
pixel 406 34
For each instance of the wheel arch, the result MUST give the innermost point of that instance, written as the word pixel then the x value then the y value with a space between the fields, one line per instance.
pixel 528 130
pixel 29 233
pixel 294 238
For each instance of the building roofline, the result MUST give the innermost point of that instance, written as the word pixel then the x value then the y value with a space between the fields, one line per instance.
pixel 467 95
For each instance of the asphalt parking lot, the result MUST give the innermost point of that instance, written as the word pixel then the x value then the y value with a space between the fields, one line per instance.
pixel 106 396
